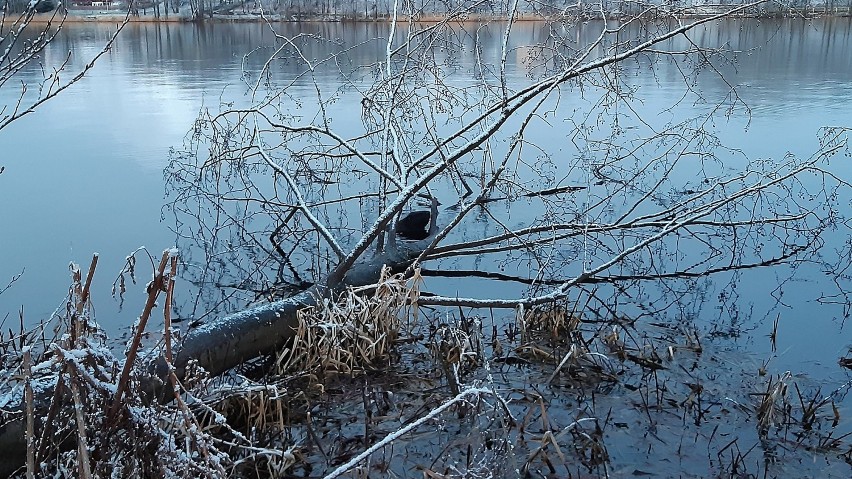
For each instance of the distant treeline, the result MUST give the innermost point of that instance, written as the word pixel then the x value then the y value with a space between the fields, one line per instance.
pixel 297 9
pixel 380 9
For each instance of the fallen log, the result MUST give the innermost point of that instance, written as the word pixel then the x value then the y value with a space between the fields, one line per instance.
pixel 264 329
pixel 223 344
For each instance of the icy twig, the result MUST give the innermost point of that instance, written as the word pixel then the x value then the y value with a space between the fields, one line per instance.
pixel 85 470
pixel 154 288
pixel 462 396
pixel 28 398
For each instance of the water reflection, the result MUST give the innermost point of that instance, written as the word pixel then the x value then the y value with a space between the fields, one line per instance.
pixel 84 173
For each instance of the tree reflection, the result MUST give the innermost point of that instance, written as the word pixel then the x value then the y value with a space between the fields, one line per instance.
pixel 550 167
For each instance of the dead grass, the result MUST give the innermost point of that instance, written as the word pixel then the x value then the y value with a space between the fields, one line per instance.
pixel 374 387
pixel 354 334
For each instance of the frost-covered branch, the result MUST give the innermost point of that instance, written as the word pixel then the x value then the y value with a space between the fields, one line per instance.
pixel 18 50
pixel 463 396
pixel 552 170
pixel 300 202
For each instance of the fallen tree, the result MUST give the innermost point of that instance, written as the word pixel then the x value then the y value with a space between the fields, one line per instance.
pixel 266 328
pixel 216 347
pixel 274 193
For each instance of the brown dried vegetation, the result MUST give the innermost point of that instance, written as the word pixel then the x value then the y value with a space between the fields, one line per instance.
pixel 374 385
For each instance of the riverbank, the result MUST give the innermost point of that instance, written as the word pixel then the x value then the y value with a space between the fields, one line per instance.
pixel 619 382
pixel 112 15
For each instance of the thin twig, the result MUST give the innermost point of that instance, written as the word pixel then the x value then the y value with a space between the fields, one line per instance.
pixel 82 443
pixel 167 309
pixel 154 288
pixel 28 398
pixel 396 434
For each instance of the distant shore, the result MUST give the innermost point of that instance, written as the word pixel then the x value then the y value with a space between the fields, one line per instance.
pixel 113 15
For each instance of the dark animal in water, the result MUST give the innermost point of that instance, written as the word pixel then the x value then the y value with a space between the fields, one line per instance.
pixel 45 6
pixel 415 225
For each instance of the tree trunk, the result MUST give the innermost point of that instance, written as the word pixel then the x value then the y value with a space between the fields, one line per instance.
pixel 223 344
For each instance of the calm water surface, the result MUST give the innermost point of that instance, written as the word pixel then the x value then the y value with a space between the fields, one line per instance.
pixel 84 174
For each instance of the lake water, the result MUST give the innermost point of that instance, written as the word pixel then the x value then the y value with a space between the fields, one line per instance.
pixel 84 174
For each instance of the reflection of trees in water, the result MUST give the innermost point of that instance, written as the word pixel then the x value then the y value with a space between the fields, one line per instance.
pixel 536 145
pixel 552 180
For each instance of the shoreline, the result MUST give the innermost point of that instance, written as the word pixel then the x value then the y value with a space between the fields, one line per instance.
pixel 112 16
